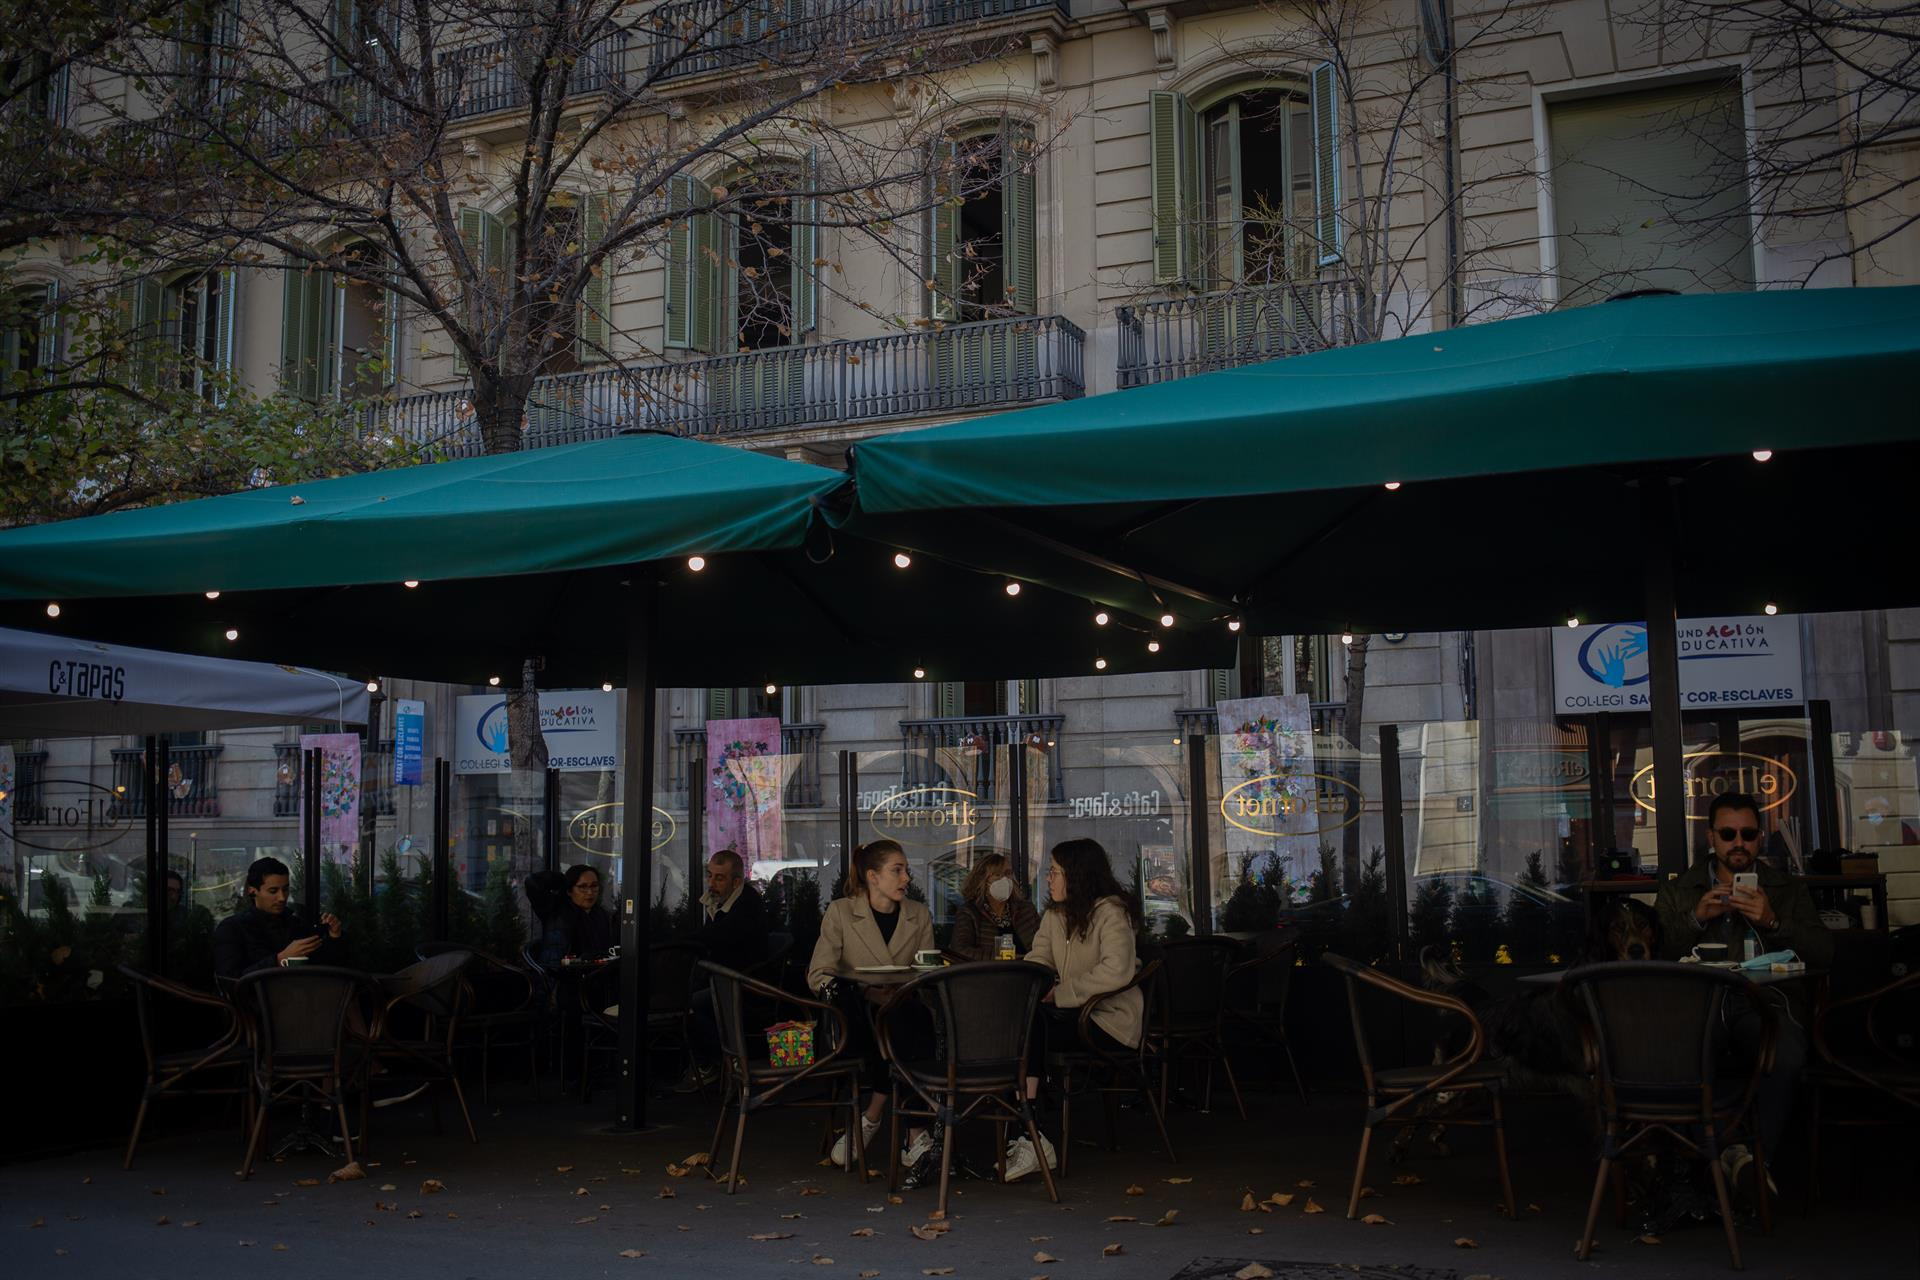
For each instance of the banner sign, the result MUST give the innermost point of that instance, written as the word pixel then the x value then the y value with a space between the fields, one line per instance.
pixel 409 740
pixel 1724 663
pixel 1269 792
pixel 339 786
pixel 746 782
pixel 581 727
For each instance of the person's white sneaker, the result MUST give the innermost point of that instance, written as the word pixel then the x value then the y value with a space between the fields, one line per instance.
pixel 1735 1159
pixel 917 1150
pixel 1022 1160
pixel 867 1129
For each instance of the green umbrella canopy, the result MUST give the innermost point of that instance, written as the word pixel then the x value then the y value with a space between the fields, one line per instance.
pixel 537 554
pixel 1517 447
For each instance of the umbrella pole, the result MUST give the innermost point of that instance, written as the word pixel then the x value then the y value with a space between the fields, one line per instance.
pixel 636 854
pixel 1660 545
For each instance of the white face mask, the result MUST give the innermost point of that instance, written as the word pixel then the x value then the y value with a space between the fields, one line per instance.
pixel 1000 890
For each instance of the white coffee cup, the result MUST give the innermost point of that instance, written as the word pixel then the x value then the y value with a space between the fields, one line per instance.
pixel 1710 952
pixel 1869 916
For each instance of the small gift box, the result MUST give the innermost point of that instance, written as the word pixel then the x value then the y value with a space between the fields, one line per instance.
pixel 790 1044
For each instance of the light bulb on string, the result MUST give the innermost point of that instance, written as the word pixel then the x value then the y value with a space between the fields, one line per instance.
pixel 1233 625
pixel 411 583
pixel 373 686
pixel 213 595
pixel 606 686
pixel 1762 455
pixel 1102 618
pixel 772 689
pixel 1099 664
pixel 232 633
pixel 1153 646
pixel 53 611
pixel 696 563
pixel 1013 588
pixel 494 681
pixel 1772 609
pixel 919 673
pixel 1166 619
pixel 901 560
pixel 1346 637
pixel 1573 620
pixel 1392 486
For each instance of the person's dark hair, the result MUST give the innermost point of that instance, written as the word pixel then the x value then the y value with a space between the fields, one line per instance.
pixel 1732 800
pixel 173 875
pixel 1089 881
pixel 261 868
pixel 579 869
pixel 870 856
pixel 975 888
pixel 729 858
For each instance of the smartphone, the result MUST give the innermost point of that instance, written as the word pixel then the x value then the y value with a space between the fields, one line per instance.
pixel 1746 880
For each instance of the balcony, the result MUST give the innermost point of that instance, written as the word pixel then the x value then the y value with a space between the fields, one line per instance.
pixel 376 779
pixel 800 743
pixel 707 37
pixel 193 782
pixel 1179 337
pixel 29 802
pixel 984 364
pixel 964 751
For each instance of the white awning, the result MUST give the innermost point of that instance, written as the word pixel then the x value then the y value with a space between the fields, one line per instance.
pixel 52 687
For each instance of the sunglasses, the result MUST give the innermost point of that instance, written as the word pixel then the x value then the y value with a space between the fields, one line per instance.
pixel 1745 834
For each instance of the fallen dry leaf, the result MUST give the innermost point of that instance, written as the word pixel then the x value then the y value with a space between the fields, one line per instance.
pixel 673 1171
pixel 789 1217
pixel 1365 1192
pixel 414 1215
pixel 246 1244
pixel 1533 1208
pixel 388 1186
pixel 580 1191
pixel 606 1208
pixel 1256 1231
pixel 1112 1250
pixel 1646 1239
pixel 432 1185
pixel 1465 1242
pixel 160 1191
pixel 191 1222
pixel 822 1260
pixel 348 1172
pixel 1253 1271
pixel 812 1191
pixel 1178 1181
pixel 937 1215
pixel 931 1231
pixel 1043 1257
pixel 563 1168
pixel 1306 1184
pixel 279 1248
pixel 935 1271
pixel 87 1181
pixel 1247 1203
pixel 298 1182
pixel 384 1207
pixel 1136 1190
pixel 895 1200
pixel 1281 1198
pixel 665 1193
pixel 37 1222
pixel 1038 1239
pixel 868 1275
pixel 1407 1179
pixel 1313 1206
pixel 864 1233
pixel 1377 1220
pixel 163 1221
pixel 1123 1217
pixel 632 1253
pixel 772 1235
pixel 1166 1219
pixel 697 1159
pixel 581 1222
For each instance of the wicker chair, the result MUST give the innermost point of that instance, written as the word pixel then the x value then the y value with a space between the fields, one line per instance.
pixel 984 1015
pixel 1256 1003
pixel 1650 1031
pixel 1861 1066
pixel 179 1073
pixel 301 1051
pixel 502 1010
pixel 1141 1071
pixel 1403 1095
pixel 414 1034
pixel 1194 973
pixel 750 1084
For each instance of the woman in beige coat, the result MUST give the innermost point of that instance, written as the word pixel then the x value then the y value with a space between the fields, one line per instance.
pixel 875 924
pixel 1086 938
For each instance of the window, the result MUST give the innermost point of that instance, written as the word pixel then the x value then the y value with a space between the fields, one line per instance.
pixel 970 698
pixel 1246 190
pixel 45 96
pixel 743 279
pixel 1649 191
pixel 205 59
pixel 980 238
pixel 573 220
pixel 30 333
pixel 197 320
pixel 338 332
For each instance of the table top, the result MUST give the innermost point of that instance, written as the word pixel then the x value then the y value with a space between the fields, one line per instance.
pixel 1758 977
pixel 888 977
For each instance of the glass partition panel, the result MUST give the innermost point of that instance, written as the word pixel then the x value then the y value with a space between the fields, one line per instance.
pixel 1877 780
pixel 948 799
pixel 1128 792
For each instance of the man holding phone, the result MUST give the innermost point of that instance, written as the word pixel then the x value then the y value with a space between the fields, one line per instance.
pixel 266 933
pixel 1727 899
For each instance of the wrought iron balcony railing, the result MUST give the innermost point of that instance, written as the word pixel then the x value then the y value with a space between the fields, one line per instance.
pixel 799 742
pixel 193 782
pixel 700 37
pixel 984 364
pixel 376 778
pixel 966 752
pixel 1179 337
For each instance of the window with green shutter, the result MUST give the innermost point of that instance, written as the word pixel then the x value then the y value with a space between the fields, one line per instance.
pixel 485 239
pixel 805 221
pixel 195 325
pixel 690 255
pixel 596 324
pixel 307 341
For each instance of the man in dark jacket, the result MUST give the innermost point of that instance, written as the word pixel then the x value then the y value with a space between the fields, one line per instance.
pixel 267 932
pixel 1703 904
pixel 734 919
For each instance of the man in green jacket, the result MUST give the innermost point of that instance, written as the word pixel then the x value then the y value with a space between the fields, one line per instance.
pixel 1702 904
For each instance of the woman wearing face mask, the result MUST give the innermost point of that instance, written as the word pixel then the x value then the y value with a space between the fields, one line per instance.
pixel 993 905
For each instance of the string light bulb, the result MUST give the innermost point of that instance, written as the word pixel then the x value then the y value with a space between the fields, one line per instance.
pixel 494 681
pixel 233 633
pixel 1346 637
pixel 772 689
pixel 1013 588
pixel 1099 664
pixel 1102 618
pixel 919 673
pixel 53 611
pixel 901 560
pixel 1573 620
pixel 1772 608
pixel 606 686
pixel 1233 625
pixel 213 595
pixel 1153 646
pixel 696 563
pixel 1762 455
pixel 373 686
pixel 1392 486
pixel 1166 619
pixel 411 583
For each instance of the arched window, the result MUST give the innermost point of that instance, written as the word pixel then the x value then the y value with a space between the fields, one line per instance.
pixel 741 278
pixel 1246 185
pixel 339 329
pixel 30 333
pixel 980 224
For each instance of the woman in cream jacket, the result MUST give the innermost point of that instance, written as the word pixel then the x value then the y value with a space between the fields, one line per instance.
pixel 875 924
pixel 1086 938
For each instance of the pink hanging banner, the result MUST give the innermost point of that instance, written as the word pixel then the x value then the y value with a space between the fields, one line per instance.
pixel 745 783
pixel 339 790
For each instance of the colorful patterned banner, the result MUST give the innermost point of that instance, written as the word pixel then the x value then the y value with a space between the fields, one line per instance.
pixel 339 791
pixel 1267 784
pixel 745 785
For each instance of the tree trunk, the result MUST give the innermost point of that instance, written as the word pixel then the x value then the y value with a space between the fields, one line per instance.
pixel 500 410
pixel 1350 768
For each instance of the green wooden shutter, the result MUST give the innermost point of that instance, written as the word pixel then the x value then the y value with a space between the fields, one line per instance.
pixel 1219 684
pixel 943 231
pixel 390 337
pixel 228 288
pixel 150 334
pixel 345 20
pixel 50 353
pixel 1017 217
pixel 1326 165
pixel 720 704
pixel 949 699
pixel 485 238
pixel 57 97
pixel 1176 188
pixel 689 267
pixel 595 328
pixel 306 329
pixel 805 247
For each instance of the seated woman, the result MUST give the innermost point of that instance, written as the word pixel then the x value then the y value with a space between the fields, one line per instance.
pixel 578 927
pixel 875 924
pixel 1086 938
pixel 992 904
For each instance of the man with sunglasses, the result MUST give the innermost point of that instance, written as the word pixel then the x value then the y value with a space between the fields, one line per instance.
pixel 1703 904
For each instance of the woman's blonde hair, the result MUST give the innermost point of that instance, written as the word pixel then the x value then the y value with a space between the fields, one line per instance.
pixel 870 856
pixel 975 887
